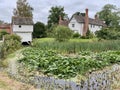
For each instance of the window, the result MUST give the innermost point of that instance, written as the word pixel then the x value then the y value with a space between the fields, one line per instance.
pixel 19 26
pixel 100 26
pixel 73 25
pixel 91 25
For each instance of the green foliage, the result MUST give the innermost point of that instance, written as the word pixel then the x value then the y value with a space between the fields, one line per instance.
pixel 89 35
pixel 52 63
pixel 10 44
pixel 62 33
pixel 107 33
pixel 76 35
pixel 2 33
pixel 73 46
pixel 110 14
pixel 39 30
pixel 50 31
pixel 53 17
pixel 23 9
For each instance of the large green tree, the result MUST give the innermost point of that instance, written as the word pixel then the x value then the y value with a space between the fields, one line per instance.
pixel 39 30
pixel 110 14
pixel 53 17
pixel 23 9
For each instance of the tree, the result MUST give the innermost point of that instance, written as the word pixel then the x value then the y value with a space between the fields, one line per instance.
pixel 39 30
pixel 62 33
pixel 55 12
pixel 110 14
pixel 23 9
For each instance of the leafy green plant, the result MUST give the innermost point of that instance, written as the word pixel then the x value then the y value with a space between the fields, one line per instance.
pixel 2 33
pixel 76 35
pixel 62 33
pixel 50 62
pixel 10 44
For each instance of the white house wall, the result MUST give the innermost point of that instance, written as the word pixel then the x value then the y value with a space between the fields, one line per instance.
pixel 25 37
pixel 24 31
pixel 78 27
pixel 22 28
pixel 94 28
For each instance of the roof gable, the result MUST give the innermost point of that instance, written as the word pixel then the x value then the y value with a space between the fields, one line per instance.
pixel 22 20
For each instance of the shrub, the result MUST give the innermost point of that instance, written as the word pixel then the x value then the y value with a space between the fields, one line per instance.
pixel 2 33
pixel 62 33
pixel 108 34
pixel 89 34
pixel 76 35
pixel 10 44
pixel 50 31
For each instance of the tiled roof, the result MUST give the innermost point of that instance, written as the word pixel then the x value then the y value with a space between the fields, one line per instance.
pixel 96 22
pixel 64 22
pixel 4 26
pixel 81 19
pixel 22 20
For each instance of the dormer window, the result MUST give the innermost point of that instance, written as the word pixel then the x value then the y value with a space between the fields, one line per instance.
pixel 19 26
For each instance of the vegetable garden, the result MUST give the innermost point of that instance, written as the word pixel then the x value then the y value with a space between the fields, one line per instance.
pixel 75 45
pixel 53 59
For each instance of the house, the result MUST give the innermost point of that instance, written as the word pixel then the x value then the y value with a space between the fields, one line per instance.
pixel 81 23
pixel 23 26
pixel 6 27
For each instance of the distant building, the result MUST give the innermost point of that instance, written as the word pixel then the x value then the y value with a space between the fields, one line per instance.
pixel 63 22
pixel 6 27
pixel 81 23
pixel 23 26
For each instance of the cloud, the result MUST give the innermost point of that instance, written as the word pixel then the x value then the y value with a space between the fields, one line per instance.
pixel 42 7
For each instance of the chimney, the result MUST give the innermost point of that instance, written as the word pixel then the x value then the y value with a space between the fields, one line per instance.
pixel 60 20
pixel 86 24
pixel 96 17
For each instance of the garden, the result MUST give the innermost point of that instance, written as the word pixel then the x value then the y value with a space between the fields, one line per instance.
pixel 73 60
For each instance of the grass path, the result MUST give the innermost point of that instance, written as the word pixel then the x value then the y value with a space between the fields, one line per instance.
pixel 7 83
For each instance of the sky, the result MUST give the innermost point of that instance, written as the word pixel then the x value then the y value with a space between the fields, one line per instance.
pixel 42 7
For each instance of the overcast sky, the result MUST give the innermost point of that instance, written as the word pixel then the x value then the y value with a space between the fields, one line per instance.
pixel 42 7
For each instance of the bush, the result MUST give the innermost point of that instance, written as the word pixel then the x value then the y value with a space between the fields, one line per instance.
pixel 2 33
pixel 50 31
pixel 62 33
pixel 89 35
pixel 76 35
pixel 10 44
pixel 108 34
